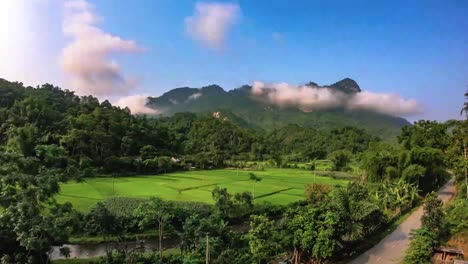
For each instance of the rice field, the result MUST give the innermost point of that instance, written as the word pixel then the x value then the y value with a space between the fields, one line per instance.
pixel 278 186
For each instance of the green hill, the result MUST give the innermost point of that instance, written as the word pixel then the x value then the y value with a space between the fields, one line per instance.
pixel 239 106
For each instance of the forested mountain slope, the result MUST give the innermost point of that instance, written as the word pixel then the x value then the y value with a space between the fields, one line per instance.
pixel 262 115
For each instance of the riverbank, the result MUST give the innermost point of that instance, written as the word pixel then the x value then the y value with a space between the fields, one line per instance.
pixel 95 260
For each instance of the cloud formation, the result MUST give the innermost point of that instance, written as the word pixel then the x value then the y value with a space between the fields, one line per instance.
pixel 211 22
pixel 88 58
pixel 310 99
pixel 194 96
pixel 27 29
pixel 136 104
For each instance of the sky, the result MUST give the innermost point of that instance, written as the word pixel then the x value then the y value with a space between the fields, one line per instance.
pixel 409 55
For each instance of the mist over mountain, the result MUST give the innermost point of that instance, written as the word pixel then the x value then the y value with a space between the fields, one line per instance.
pixel 270 106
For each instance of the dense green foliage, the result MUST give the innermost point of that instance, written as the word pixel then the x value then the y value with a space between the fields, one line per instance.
pixel 419 160
pixel 84 136
pixel 424 240
pixel 30 220
pixel 57 147
pixel 421 247
pixel 238 106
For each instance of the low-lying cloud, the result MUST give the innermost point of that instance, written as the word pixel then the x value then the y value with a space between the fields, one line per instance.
pixel 194 96
pixel 211 22
pixel 310 99
pixel 136 104
pixel 88 58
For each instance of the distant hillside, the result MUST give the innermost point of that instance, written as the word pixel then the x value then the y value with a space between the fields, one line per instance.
pixel 239 104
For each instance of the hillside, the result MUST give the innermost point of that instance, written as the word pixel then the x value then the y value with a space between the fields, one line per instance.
pixel 262 115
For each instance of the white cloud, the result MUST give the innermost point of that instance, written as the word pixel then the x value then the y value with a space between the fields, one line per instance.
pixel 310 99
pixel 28 34
pixel 88 58
pixel 194 96
pixel 303 97
pixel 136 104
pixel 174 102
pixel 211 23
pixel 391 104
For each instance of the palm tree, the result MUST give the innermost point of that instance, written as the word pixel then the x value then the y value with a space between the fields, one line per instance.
pixel 465 106
pixel 354 212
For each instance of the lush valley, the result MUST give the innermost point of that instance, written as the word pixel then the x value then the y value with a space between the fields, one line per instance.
pixel 75 167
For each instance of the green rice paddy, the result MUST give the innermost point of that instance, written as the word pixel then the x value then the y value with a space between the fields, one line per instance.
pixel 278 186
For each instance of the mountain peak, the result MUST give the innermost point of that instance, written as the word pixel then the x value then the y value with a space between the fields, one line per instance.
pixel 346 85
pixel 312 84
pixel 213 88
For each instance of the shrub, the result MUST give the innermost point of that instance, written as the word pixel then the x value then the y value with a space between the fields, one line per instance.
pixel 421 247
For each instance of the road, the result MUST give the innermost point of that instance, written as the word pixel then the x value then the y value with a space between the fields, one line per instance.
pixel 392 248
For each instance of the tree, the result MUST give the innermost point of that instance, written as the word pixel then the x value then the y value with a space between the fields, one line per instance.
pixel 223 200
pixel 164 164
pixel 465 106
pixel 424 133
pixel 102 222
pixel 30 220
pixel 22 139
pixel 260 237
pixel 413 173
pixel 243 203
pixel 313 232
pixel 421 246
pixel 376 159
pixel 254 178
pixel 148 152
pixel 316 192
pixel 340 159
pixel 155 211
pixel 433 216
pixel 457 216
pixel 359 215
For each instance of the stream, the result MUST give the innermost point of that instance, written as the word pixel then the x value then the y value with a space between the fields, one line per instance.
pixel 83 251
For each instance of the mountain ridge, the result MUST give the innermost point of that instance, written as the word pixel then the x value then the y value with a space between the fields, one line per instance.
pixel 267 116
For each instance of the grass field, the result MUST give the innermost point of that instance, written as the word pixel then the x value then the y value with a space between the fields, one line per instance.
pixel 278 186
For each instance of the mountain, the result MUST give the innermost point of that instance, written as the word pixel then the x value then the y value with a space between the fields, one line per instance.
pixel 239 104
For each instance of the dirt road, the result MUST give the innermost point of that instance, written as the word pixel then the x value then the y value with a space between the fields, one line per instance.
pixel 392 248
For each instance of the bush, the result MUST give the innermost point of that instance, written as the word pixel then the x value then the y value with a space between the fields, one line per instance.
pixel 122 206
pixel 421 247
pixel 340 159
pixel 316 192
pixel 413 173
pixel 458 216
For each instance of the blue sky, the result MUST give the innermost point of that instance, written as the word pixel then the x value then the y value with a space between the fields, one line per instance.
pixel 417 49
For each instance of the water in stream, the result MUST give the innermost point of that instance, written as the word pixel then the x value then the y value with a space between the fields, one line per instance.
pixel 97 250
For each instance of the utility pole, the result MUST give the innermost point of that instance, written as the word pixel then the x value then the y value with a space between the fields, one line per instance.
pixel 207 256
pixel 315 173
pixel 465 149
